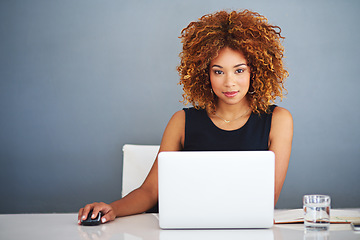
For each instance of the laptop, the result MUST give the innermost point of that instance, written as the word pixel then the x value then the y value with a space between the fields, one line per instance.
pixel 201 190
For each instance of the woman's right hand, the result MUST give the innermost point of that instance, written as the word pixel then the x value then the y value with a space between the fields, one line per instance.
pixel 106 210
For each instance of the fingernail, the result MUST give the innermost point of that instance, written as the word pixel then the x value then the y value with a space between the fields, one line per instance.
pixel 78 221
pixel 83 217
pixel 103 220
pixel 93 216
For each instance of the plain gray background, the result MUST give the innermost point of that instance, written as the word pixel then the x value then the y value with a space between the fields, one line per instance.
pixel 81 78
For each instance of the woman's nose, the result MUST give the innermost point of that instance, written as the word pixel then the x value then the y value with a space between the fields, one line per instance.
pixel 230 80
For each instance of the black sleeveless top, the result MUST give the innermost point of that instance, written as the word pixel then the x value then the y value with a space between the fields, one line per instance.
pixel 201 134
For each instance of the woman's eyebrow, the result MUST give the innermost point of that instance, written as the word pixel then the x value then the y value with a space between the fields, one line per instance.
pixel 216 66
pixel 241 64
pixel 238 65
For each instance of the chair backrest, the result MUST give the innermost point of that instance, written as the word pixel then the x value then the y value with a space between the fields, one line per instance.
pixel 137 162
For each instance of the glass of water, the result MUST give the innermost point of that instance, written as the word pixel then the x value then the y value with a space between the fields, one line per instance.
pixel 316 212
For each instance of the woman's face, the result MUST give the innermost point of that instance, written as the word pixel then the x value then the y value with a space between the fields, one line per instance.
pixel 230 76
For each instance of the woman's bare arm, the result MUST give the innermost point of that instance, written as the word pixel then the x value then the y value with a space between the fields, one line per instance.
pixel 280 141
pixel 146 196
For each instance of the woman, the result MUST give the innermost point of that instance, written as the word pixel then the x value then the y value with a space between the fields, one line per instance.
pixel 231 70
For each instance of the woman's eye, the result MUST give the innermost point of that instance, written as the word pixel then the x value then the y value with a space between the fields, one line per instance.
pixel 218 72
pixel 239 70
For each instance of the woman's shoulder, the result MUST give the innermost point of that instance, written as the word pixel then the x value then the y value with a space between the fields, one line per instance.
pixel 173 136
pixel 178 117
pixel 187 113
pixel 179 113
pixel 282 122
pixel 280 113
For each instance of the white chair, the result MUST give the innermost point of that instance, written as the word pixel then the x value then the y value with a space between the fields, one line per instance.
pixel 137 162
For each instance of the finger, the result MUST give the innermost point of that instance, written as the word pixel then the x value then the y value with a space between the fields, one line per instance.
pixel 108 217
pixel 86 211
pixel 80 215
pixel 100 207
pixel 97 208
pixel 104 219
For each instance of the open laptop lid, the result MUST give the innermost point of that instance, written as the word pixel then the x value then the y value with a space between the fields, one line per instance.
pixel 216 189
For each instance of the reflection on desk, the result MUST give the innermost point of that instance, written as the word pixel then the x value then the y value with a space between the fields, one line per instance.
pixel 231 234
pixel 146 227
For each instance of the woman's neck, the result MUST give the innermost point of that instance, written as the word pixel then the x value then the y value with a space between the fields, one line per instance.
pixel 233 111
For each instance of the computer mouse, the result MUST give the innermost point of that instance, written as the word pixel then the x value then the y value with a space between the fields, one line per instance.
pixel 92 222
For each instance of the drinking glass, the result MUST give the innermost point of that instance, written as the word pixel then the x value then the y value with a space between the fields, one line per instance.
pixel 316 212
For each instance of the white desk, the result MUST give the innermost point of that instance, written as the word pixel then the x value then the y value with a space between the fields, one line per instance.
pixel 146 227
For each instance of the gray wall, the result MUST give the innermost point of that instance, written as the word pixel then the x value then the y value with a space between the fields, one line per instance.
pixel 78 79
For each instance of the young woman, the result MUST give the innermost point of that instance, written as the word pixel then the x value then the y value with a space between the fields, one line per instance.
pixel 231 70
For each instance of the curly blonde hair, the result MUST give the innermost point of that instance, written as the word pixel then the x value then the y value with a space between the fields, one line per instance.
pixel 245 31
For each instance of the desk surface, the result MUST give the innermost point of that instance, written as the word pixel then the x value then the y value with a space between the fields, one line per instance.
pixel 146 227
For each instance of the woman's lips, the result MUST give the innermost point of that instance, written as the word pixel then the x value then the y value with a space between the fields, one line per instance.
pixel 231 94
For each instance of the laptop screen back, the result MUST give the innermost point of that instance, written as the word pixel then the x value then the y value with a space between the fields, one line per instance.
pixel 216 189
